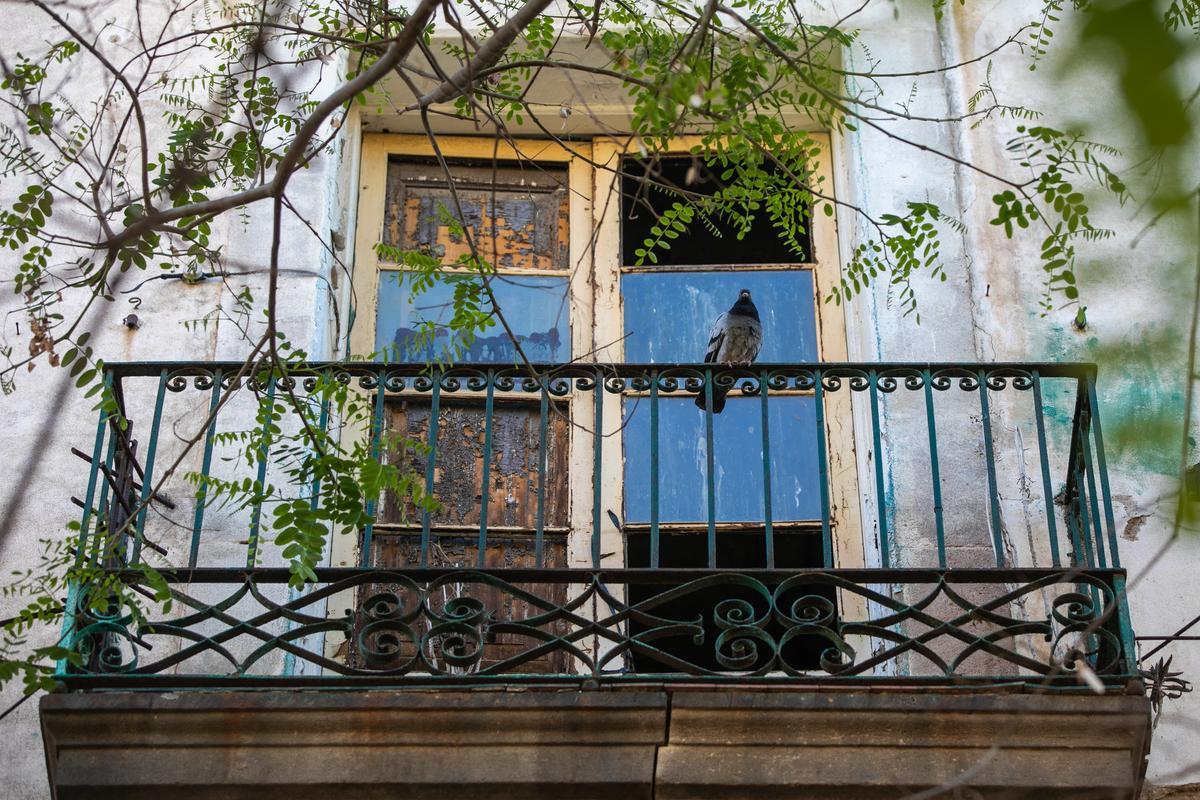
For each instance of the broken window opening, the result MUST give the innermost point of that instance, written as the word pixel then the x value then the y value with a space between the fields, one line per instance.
pixel 650 187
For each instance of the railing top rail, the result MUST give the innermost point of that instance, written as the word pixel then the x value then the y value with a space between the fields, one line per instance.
pixel 1046 369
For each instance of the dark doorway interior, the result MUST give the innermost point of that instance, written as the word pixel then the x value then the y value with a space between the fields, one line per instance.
pixel 736 549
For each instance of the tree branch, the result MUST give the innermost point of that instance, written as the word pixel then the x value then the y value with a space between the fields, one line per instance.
pixel 490 52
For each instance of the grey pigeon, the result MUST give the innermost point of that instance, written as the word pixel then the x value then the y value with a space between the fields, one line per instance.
pixel 735 338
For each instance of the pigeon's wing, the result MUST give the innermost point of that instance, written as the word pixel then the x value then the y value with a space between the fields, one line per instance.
pixel 716 338
pixel 756 338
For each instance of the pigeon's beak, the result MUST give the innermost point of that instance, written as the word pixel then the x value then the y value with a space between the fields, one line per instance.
pixel 745 295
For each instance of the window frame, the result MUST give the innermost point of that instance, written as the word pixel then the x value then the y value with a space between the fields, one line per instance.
pixel 368 268
pixel 596 312
pixel 849 539
pixel 379 148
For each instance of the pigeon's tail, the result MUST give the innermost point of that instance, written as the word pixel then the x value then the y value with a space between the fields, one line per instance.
pixel 718 400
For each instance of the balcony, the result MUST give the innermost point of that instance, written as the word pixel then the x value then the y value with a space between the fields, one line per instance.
pixel 831 552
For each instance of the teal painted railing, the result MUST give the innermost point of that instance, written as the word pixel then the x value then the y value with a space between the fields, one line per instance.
pixel 665 595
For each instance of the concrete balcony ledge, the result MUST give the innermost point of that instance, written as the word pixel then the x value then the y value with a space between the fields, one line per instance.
pixel 889 745
pixel 622 744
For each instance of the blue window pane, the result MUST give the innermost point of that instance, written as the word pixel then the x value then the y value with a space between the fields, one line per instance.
pixel 535 306
pixel 737 457
pixel 668 314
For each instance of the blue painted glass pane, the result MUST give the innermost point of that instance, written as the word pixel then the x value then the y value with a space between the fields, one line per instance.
pixel 668 314
pixel 737 456
pixel 535 306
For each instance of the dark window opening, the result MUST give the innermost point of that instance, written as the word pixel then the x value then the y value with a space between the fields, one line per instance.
pixel 649 188
pixel 742 549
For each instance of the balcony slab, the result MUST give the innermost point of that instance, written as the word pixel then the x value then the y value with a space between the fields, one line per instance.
pixel 854 745
pixel 265 745
pixel 628 743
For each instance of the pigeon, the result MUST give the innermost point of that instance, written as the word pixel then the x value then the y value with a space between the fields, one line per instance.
pixel 735 338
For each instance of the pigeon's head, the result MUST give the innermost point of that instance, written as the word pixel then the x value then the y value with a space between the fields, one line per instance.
pixel 744 305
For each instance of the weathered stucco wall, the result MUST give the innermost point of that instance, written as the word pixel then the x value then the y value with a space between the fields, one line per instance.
pixel 45 417
pixel 988 310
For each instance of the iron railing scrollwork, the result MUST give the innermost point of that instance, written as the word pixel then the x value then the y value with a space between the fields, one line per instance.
pixel 748 627
pixel 430 621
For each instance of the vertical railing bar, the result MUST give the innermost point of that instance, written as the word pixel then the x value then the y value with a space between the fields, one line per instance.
pixel 486 477
pixel 372 506
pixel 1044 456
pixel 823 468
pixel 1085 520
pixel 543 424
pixel 122 506
pixel 1085 441
pixel 1079 447
pixel 1074 489
pixel 261 477
pixel 1074 494
pixel 654 478
pixel 1078 482
pixel 1102 467
pixel 768 530
pixel 67 636
pixel 102 521
pixel 206 465
pixel 322 427
pixel 148 470
pixel 597 463
pixel 1128 643
pixel 1085 498
pixel 1078 557
pixel 711 473
pixel 1073 453
pixel 1077 522
pixel 934 468
pixel 324 385
pixel 435 410
pixel 95 471
pixel 877 442
pixel 990 456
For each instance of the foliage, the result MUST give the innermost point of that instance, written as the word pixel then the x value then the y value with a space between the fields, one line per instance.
pixel 309 442
pixel 56 598
pixel 252 92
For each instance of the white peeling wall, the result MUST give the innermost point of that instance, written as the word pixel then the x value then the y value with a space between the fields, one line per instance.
pixel 989 310
pixel 45 417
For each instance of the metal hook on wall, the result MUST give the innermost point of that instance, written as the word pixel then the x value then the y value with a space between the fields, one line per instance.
pixel 131 321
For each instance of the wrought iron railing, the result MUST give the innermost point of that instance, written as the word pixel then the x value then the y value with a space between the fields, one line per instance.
pixel 549 584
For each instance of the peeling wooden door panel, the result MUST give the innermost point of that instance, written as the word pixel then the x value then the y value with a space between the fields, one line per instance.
pixel 458 467
pixel 518 218
pixel 450 550
pixel 403 550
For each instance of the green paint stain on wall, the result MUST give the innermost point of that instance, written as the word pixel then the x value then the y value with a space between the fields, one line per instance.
pixel 1140 393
